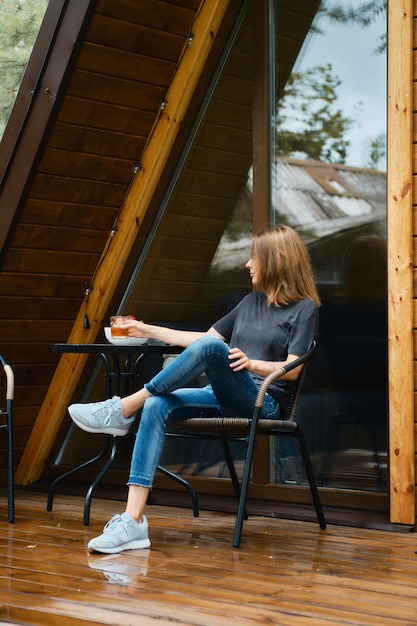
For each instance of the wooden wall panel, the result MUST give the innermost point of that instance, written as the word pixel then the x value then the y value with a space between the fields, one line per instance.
pixel 104 115
pixel 116 90
pixel 59 238
pixel 168 16
pixel 64 213
pixel 119 34
pixel 20 285
pixel 79 191
pixel 33 262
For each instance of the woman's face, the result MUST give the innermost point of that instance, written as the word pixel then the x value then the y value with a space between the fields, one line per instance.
pixel 253 266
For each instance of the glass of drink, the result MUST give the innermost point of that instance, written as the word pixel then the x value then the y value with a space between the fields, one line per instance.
pixel 115 322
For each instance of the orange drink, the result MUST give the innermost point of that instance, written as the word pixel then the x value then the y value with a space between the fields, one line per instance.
pixel 115 322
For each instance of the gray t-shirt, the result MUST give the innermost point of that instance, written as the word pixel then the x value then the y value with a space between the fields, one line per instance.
pixel 270 333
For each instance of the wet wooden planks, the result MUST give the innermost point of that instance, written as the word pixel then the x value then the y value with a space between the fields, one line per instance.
pixel 286 572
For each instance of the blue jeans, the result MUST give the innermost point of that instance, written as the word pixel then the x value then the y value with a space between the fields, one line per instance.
pixel 229 393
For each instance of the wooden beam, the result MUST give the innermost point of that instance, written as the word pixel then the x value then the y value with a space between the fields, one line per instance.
pixel 400 285
pixel 132 213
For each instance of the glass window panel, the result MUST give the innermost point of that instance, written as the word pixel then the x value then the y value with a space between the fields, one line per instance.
pixel 329 182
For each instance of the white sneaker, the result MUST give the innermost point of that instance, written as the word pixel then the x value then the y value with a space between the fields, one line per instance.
pixel 122 532
pixel 101 417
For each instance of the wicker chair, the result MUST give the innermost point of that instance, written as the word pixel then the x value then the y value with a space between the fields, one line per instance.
pixel 227 429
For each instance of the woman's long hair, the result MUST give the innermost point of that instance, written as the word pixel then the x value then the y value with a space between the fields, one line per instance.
pixel 285 272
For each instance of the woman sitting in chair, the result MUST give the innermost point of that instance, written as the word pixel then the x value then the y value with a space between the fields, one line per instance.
pixel 272 326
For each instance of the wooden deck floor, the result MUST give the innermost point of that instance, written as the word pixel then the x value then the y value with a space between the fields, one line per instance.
pixel 284 573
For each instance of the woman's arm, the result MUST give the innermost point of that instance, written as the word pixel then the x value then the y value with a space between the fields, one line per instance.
pixel 174 337
pixel 240 361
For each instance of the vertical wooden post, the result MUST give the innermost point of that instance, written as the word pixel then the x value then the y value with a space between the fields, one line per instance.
pixel 400 285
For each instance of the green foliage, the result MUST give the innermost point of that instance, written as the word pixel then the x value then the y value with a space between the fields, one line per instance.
pixel 378 150
pixel 362 14
pixel 20 22
pixel 308 122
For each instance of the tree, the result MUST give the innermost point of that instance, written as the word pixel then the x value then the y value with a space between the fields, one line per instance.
pixel 20 22
pixel 308 123
pixel 363 15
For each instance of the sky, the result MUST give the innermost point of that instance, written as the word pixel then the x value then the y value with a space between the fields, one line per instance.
pixel 351 51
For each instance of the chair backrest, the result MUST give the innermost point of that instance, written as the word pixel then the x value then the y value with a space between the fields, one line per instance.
pixel 287 421
pixel 284 370
pixel 295 396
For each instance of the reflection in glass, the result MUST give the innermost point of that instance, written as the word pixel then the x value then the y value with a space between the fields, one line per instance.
pixel 329 183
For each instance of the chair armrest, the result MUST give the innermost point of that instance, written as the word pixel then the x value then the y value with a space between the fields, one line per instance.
pixel 280 372
pixel 9 377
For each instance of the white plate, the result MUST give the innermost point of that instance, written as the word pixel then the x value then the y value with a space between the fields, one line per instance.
pixel 123 341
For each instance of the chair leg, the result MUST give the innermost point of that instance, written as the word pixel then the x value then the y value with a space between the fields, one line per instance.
pixel 74 470
pixel 311 478
pixel 232 470
pixel 97 480
pixel 10 462
pixel 245 480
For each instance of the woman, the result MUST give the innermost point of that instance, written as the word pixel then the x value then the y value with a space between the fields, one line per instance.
pixel 272 326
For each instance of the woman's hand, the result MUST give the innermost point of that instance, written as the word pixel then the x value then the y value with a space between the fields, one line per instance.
pixel 239 360
pixel 136 328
